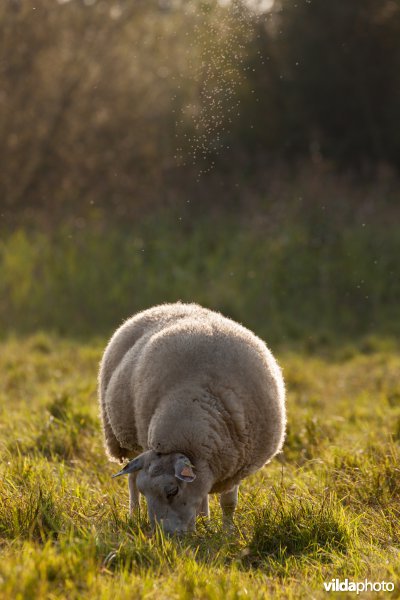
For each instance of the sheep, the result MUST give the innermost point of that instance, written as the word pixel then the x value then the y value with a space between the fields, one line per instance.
pixel 200 398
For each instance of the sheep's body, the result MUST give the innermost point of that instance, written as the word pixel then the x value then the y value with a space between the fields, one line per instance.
pixel 181 378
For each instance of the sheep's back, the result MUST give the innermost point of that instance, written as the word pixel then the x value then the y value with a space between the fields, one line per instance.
pixel 209 354
pixel 185 351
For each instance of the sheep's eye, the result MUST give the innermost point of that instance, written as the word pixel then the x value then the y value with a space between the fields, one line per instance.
pixel 170 492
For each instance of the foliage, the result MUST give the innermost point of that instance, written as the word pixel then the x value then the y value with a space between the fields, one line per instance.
pixel 107 103
pixel 329 506
pixel 294 269
pixel 125 105
pixel 325 82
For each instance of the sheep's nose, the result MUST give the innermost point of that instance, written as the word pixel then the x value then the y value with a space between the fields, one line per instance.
pixel 171 529
pixel 176 533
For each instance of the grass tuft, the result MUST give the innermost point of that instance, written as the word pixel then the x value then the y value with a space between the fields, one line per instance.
pixel 29 513
pixel 299 526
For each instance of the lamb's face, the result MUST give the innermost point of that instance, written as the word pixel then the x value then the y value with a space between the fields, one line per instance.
pixel 172 491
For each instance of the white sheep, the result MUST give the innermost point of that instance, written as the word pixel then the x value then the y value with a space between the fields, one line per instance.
pixel 201 397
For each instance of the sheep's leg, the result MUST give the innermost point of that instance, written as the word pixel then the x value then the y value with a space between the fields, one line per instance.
pixel 133 493
pixel 228 501
pixel 204 510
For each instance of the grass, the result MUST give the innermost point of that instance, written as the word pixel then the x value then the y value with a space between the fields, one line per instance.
pixel 328 507
pixel 289 277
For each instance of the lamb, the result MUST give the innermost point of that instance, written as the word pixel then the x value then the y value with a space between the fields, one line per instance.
pixel 200 398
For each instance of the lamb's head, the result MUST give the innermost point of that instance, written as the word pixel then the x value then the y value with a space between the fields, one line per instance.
pixel 173 492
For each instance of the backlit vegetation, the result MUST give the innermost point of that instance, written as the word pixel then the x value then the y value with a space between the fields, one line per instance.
pixel 329 506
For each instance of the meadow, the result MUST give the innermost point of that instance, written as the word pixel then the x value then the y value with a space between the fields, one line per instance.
pixel 319 282
pixel 327 507
pixel 297 269
pixel 243 155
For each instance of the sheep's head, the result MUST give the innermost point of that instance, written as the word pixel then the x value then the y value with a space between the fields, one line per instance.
pixel 173 492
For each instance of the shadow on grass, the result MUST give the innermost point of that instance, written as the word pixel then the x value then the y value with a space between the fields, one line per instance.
pixel 297 528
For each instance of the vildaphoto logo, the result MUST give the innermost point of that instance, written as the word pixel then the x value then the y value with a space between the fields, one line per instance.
pixel 358 586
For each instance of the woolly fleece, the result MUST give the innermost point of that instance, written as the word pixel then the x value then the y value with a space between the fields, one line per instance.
pixel 182 378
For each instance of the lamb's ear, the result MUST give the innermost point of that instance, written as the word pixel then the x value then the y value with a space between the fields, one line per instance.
pixel 134 465
pixel 184 469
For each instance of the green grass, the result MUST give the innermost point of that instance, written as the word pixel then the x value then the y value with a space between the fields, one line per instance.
pixel 328 507
pixel 287 278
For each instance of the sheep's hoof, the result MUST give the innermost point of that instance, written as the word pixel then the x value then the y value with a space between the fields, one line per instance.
pixel 229 526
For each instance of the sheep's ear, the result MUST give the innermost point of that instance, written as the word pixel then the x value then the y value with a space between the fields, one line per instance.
pixel 184 469
pixel 134 465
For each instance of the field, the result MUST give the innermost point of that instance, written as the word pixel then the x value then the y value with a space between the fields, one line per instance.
pixel 328 507
pixel 244 155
